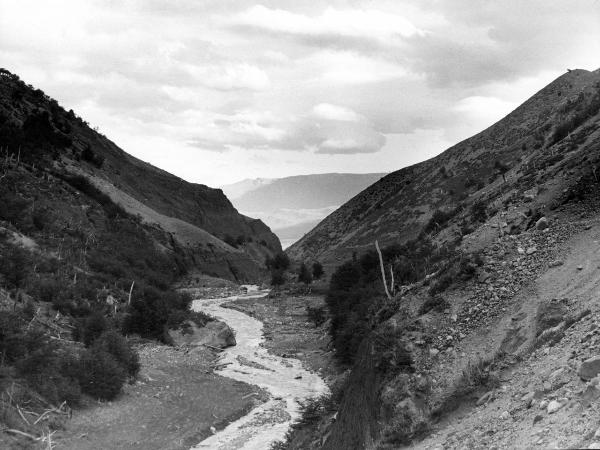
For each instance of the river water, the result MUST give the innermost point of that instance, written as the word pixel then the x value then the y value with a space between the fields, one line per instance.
pixel 284 378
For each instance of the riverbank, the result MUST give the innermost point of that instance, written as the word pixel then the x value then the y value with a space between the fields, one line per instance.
pixel 173 405
pixel 288 331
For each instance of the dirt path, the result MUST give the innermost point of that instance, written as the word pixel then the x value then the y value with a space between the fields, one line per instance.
pixel 517 415
pixel 173 406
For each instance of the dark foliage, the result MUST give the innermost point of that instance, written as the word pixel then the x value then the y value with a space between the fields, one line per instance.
pixel 478 212
pixel 304 275
pixel 316 315
pixel 100 375
pixel 280 261
pixel 116 345
pixel 317 270
pixel 277 277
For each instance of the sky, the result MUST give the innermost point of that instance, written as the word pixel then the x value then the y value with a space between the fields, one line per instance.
pixel 216 91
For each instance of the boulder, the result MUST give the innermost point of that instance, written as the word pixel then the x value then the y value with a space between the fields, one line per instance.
pixel 589 368
pixel 542 223
pixel 554 406
pixel 214 334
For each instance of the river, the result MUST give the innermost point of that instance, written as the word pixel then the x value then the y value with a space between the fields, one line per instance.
pixel 285 379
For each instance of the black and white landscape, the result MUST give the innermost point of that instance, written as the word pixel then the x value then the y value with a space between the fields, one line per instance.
pixel 299 225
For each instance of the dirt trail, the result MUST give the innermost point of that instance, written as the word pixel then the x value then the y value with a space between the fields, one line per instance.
pixel 513 418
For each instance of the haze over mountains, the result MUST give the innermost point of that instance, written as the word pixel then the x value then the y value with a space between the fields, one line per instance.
pixel 292 206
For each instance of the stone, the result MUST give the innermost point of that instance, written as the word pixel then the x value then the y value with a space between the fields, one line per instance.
pixel 589 368
pixel 433 351
pixel 520 250
pixel 531 250
pixel 543 404
pixel 214 334
pixel 505 415
pixel 542 223
pixel 594 445
pixel 554 406
pixel 555 263
pixel 579 267
pixel 485 398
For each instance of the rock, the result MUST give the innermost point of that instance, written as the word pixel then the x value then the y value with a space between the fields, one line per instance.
pixel 505 415
pixel 579 267
pixel 298 377
pixel 542 223
pixel 531 250
pixel 591 392
pixel 554 406
pixel 594 445
pixel 213 430
pixel 485 398
pixel 555 263
pixel 214 334
pixel 520 250
pixel 589 368
pixel 537 418
pixel 483 276
pixel 543 404
pixel 433 351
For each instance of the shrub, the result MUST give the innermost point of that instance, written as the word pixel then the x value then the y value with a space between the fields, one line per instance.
pixel 94 325
pixel 478 212
pixel 316 315
pixel 304 275
pixel 100 375
pixel 437 303
pixel 117 346
pixel 317 270
pixel 280 261
pixel 277 278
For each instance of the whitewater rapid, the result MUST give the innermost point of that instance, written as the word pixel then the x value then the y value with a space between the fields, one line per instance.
pixel 284 379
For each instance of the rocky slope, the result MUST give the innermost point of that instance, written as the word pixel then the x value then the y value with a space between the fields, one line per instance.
pixel 52 145
pixel 500 334
pixel 543 147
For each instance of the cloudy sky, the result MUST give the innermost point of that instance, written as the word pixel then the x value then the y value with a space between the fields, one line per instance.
pixel 219 90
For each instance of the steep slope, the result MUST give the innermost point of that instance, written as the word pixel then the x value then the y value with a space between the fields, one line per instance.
pixel 534 147
pixel 291 206
pixel 40 134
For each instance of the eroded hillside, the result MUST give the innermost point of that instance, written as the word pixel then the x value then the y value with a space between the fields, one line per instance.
pixel 54 146
pixel 543 147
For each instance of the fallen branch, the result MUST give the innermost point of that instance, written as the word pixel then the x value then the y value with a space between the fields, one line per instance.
pixel 382 271
pixel 214 348
pixel 22 433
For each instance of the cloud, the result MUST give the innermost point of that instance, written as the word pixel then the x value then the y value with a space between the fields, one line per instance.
pixel 362 29
pixel 333 112
pixel 327 129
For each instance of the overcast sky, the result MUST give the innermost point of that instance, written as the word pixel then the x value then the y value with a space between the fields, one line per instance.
pixel 217 91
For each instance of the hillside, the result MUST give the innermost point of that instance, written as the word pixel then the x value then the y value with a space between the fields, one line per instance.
pixel 54 145
pixel 487 338
pixel 291 206
pixel 534 153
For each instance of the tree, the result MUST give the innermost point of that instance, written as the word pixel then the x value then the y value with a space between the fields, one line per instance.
pixel 277 278
pixel 501 169
pixel 304 275
pixel 281 261
pixel 317 270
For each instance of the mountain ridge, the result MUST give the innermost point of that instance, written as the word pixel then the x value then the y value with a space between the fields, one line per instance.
pixel 396 208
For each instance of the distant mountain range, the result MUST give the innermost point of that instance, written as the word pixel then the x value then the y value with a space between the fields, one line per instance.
pixel 292 206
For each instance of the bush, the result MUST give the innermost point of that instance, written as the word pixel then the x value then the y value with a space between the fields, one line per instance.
pixel 304 275
pixel 116 345
pixel 280 261
pixel 277 278
pixel 100 375
pixel 316 315
pixel 478 212
pixel 94 325
pixel 436 303
pixel 317 270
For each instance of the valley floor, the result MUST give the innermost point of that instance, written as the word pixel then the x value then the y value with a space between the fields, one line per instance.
pixel 173 405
